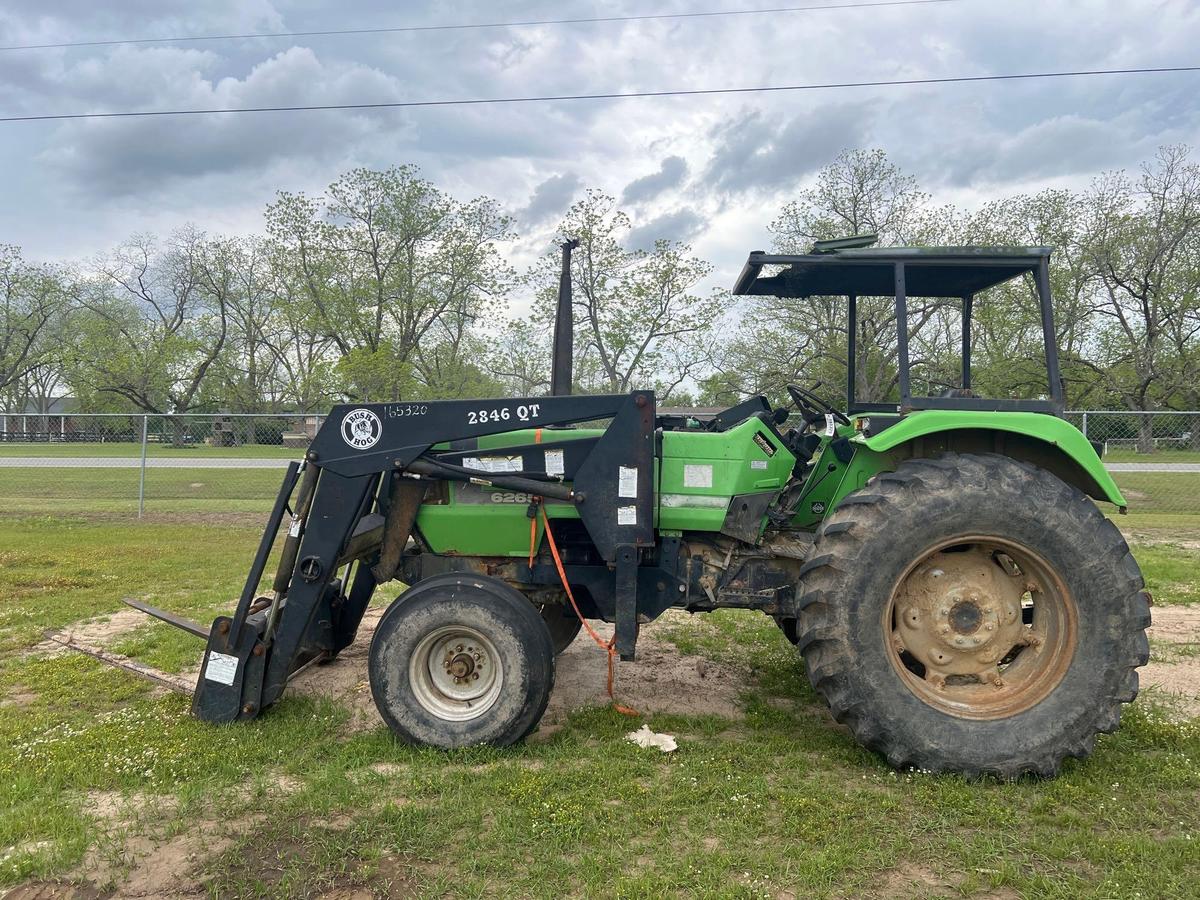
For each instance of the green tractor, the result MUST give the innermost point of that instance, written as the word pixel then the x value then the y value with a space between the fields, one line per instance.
pixel 959 600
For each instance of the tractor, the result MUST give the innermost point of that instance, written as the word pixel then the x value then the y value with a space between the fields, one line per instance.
pixel 960 601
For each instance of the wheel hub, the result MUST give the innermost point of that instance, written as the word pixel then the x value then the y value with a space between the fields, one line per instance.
pixel 959 614
pixel 455 673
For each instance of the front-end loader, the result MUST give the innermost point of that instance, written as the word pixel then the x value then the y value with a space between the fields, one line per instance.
pixel 959 600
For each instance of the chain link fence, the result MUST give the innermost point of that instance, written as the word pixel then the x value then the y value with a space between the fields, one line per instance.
pixel 133 464
pixel 1154 457
pixel 232 463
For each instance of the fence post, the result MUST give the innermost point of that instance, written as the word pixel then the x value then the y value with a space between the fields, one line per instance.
pixel 1085 423
pixel 142 476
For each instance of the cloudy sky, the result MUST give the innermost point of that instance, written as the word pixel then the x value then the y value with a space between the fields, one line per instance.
pixel 711 170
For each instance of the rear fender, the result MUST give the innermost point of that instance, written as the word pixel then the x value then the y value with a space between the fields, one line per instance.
pixel 1042 440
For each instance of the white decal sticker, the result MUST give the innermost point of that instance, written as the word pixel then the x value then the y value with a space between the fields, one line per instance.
pixel 294 530
pixel 626 515
pixel 361 429
pixel 758 463
pixel 494 464
pixel 554 462
pixel 221 668
pixel 627 482
pixel 830 425
pixel 697 476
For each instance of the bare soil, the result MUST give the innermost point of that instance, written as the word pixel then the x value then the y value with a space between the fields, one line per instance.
pixel 661 680
pixel 98 632
pixel 1175 675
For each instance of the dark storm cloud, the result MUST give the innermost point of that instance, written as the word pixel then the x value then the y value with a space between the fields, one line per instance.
pixel 550 199
pixel 756 151
pixel 680 225
pixel 670 174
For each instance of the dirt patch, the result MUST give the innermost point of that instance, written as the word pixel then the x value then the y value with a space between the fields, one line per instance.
pixel 661 680
pixel 98 632
pixel 137 858
pixel 270 864
pixel 1176 676
pixel 18 695
pixel 52 890
pixel 911 880
pixel 917 880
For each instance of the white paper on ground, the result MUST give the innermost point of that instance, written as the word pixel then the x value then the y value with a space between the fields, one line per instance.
pixel 644 737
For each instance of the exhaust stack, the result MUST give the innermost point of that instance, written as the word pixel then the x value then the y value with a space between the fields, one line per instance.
pixel 561 368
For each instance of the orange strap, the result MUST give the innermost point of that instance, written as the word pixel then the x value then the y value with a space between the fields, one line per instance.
pixel 537 436
pixel 609 647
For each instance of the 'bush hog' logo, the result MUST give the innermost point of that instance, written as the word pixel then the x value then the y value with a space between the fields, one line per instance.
pixel 361 429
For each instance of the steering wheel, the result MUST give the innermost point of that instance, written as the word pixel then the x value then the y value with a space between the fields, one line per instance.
pixel 812 407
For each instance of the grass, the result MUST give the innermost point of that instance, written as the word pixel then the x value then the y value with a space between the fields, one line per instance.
pixel 1161 493
pixel 1162 455
pixel 43 490
pixel 778 800
pixel 80 491
pixel 156 450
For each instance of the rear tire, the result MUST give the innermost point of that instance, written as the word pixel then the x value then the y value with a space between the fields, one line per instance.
pixel 460 660
pixel 973 614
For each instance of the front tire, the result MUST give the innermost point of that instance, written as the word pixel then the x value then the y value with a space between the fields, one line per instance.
pixel 973 614
pixel 459 660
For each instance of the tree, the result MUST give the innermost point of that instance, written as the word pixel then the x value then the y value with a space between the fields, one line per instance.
pixel 1143 248
pixel 32 303
pixel 804 339
pixel 638 320
pixel 1009 357
pixel 385 261
pixel 238 274
pixel 153 323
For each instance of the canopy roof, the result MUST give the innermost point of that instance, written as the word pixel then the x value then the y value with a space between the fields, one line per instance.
pixel 870 272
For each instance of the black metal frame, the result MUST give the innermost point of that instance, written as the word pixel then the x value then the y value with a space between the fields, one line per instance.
pixel 355 502
pixel 943 272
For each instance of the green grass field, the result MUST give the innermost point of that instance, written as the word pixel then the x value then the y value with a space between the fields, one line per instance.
pixel 1166 497
pixel 777 802
pixel 158 450
pixel 1162 455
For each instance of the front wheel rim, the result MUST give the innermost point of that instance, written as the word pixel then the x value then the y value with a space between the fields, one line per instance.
pixel 981 627
pixel 456 673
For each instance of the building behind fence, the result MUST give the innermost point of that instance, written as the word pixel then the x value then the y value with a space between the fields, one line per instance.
pixel 233 462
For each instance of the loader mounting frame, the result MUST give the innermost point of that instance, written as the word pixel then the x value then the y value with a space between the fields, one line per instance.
pixel 350 508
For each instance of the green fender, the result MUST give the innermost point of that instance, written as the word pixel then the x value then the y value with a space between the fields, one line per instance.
pixel 1044 440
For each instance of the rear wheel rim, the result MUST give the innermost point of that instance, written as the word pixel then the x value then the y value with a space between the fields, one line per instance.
pixel 981 627
pixel 456 673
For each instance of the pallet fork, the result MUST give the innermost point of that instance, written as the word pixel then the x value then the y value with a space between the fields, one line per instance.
pixel 349 510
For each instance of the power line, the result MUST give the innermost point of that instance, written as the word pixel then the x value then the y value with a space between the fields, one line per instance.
pixel 465 26
pixel 481 101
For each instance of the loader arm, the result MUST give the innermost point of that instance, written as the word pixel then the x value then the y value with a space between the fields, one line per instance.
pixel 350 509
